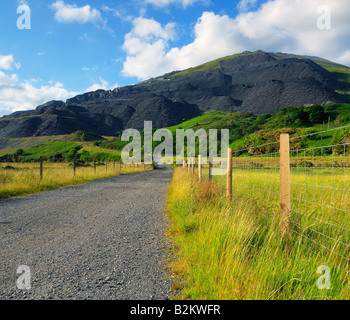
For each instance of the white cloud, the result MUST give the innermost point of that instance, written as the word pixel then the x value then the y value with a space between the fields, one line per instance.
pixel 8 62
pixel 278 25
pixel 146 43
pixel 345 58
pixel 245 5
pixel 67 13
pixel 164 3
pixel 96 86
pixel 146 28
pixel 114 11
pixel 17 96
pixel 104 85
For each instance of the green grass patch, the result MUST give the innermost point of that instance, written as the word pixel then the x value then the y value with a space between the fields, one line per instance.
pixel 235 251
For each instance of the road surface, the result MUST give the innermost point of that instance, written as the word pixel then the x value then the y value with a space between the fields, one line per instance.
pixel 102 240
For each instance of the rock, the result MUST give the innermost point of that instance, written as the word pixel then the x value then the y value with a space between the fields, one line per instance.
pixel 252 82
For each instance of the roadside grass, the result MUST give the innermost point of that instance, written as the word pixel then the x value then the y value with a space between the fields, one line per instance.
pixel 21 179
pixel 230 251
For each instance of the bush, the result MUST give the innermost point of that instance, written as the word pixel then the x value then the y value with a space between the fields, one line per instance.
pixel 19 152
pixel 316 114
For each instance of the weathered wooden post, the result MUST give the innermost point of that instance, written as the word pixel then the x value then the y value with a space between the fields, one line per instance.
pixel 210 168
pixel 229 175
pixel 193 164
pixel 41 168
pixel 285 184
pixel 74 167
pixel 200 167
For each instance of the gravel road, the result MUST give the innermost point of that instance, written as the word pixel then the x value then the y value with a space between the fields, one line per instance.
pixel 102 240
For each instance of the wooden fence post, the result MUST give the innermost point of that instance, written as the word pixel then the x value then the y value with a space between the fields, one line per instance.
pixel 189 165
pixel 210 168
pixel 41 168
pixel 74 167
pixel 95 165
pixel 229 175
pixel 193 164
pixel 285 183
pixel 185 164
pixel 200 167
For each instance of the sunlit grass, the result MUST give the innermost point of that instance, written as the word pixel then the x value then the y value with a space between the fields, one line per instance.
pixel 236 250
pixel 24 178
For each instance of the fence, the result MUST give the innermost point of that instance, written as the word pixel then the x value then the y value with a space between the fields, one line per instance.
pixel 108 167
pixel 307 186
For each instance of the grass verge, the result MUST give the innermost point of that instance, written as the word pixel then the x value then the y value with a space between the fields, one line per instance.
pixel 234 251
pixel 19 179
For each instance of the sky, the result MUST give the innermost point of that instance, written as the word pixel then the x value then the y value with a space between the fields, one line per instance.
pixel 56 49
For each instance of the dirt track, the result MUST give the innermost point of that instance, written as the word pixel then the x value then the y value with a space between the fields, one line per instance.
pixel 102 240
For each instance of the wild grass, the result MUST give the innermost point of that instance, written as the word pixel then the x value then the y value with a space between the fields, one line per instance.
pixel 20 179
pixel 236 250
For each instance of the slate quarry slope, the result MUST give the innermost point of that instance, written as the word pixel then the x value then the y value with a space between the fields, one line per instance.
pixel 252 82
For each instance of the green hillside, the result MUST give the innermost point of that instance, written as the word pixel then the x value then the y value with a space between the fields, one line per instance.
pixel 246 130
pixel 82 146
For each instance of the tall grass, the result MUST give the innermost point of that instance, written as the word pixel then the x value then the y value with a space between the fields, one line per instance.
pixel 24 178
pixel 235 250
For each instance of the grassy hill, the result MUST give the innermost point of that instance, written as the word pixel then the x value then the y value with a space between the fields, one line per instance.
pixel 246 130
pixel 83 146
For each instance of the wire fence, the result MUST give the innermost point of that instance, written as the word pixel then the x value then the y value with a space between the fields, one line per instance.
pixel 319 196
pixel 318 186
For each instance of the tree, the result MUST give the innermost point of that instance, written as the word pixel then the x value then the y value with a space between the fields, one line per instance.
pixel 19 152
pixel 316 114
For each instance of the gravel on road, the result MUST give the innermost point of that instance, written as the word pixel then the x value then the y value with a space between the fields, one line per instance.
pixel 101 240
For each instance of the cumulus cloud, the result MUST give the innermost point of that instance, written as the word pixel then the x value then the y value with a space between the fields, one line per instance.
pixel 277 25
pixel 146 28
pixel 17 96
pixel 8 62
pixel 145 44
pixel 67 13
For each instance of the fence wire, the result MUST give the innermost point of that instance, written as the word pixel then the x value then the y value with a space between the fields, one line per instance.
pixel 319 196
pixel 319 186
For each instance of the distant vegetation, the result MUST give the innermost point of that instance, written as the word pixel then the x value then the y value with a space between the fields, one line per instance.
pixel 246 130
pixel 81 146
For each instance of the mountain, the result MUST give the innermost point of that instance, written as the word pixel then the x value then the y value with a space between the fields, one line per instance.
pixel 256 82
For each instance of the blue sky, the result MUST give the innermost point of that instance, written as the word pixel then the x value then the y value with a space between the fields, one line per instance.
pixel 74 46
